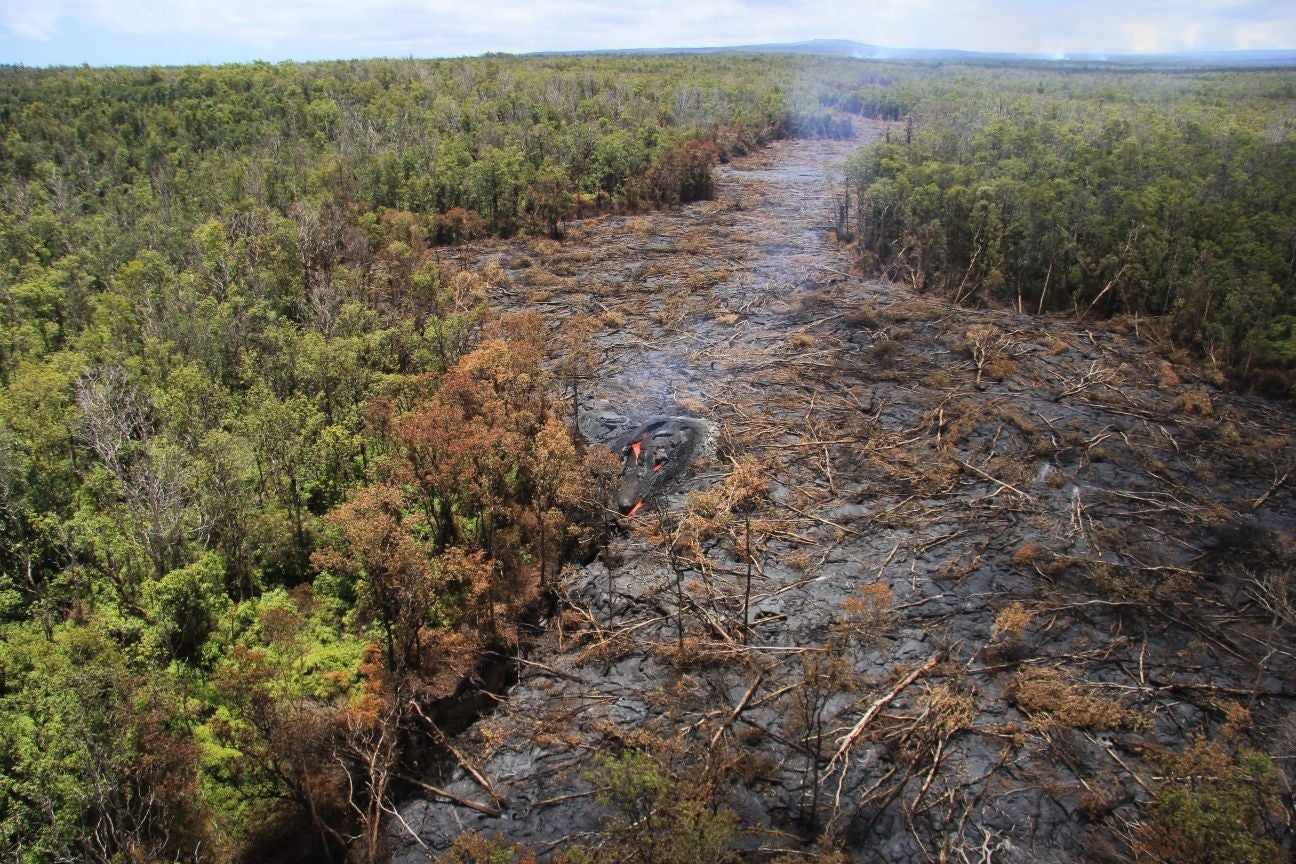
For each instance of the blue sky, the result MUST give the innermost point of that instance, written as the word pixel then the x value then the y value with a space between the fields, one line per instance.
pixel 104 32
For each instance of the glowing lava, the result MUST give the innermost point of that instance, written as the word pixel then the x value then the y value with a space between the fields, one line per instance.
pixel 654 455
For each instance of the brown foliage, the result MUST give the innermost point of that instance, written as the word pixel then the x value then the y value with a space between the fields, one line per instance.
pixel 472 848
pixel 457 225
pixel 869 613
pixel 680 175
pixel 1050 698
pixel 1011 622
pixel 399 584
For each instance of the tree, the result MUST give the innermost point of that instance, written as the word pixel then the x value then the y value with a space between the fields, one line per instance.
pixel 448 311
pixel 285 679
pixel 150 474
pixel 99 766
pixel 185 606
pixel 556 479
pixel 577 356
pixel 550 199
pixel 284 434
pixel 398 583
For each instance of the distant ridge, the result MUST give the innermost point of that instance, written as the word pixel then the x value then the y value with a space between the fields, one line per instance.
pixel 864 51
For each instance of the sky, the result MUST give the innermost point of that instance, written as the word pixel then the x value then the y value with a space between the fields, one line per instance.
pixel 174 32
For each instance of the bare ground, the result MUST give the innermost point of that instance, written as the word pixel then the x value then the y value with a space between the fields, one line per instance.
pixel 998 563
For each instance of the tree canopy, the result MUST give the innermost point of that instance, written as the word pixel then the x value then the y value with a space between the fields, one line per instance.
pixel 1106 191
pixel 271 475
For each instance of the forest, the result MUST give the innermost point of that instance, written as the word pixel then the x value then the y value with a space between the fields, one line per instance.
pixel 272 477
pixel 275 476
pixel 1164 195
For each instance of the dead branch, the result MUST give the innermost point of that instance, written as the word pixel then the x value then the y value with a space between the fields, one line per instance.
pixel 451 797
pixel 848 740
pixel 738 709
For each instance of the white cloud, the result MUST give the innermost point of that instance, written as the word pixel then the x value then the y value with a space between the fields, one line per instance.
pixel 427 27
pixel 1142 37
pixel 29 19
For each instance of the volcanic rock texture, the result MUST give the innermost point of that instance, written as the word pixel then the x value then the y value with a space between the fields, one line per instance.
pixel 951 584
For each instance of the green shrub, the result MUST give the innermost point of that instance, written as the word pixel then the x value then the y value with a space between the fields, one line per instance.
pixel 659 816
pixel 1211 809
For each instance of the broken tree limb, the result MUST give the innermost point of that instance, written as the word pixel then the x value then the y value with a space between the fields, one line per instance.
pixel 451 797
pixel 739 708
pixel 1273 487
pixel 1008 486
pixel 548 802
pixel 848 740
pixel 460 757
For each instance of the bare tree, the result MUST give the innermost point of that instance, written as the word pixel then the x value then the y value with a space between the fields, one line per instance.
pixel 368 749
pixel 152 477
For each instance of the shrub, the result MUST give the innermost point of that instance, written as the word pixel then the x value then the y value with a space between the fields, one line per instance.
pixel 1167 376
pixel 1011 622
pixel 863 316
pixel 1195 402
pixel 868 614
pixel 1211 808
pixel 472 848
pixel 938 381
pixel 1029 554
pixel 1273 384
pixel 659 816
pixel 1051 699
pixel 884 353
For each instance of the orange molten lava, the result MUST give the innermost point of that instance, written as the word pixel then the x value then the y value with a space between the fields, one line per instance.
pixel 635 449
pixel 635 509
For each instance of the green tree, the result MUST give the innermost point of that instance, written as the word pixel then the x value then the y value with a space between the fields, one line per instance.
pixel 99 765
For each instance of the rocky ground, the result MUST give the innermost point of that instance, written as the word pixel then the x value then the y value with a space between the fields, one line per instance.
pixel 952 586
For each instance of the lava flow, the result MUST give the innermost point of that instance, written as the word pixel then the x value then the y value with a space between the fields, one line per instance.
pixel 666 445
